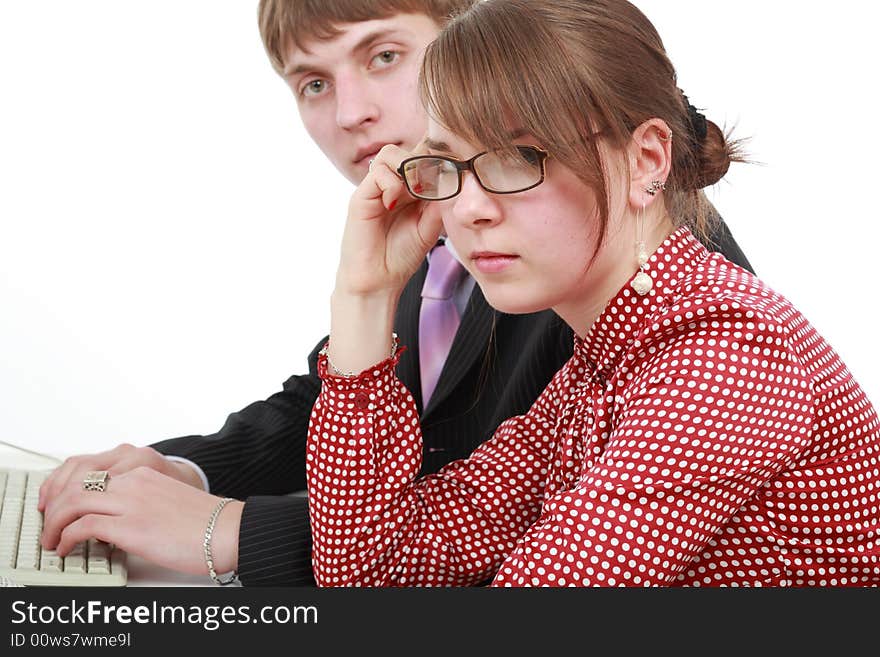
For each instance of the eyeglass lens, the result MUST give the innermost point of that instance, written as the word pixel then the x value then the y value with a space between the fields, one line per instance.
pixel 497 171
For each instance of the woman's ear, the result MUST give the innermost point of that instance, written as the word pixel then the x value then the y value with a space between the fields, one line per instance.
pixel 650 160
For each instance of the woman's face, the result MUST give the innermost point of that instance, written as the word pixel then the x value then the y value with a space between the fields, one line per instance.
pixel 531 250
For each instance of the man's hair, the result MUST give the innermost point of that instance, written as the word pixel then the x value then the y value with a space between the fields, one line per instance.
pixel 286 22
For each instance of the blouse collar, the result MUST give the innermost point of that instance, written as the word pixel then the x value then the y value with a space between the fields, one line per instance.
pixel 623 318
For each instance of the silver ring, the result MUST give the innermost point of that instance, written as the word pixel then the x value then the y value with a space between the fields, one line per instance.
pixel 96 480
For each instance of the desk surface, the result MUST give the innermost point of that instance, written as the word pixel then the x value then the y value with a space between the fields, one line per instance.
pixel 140 571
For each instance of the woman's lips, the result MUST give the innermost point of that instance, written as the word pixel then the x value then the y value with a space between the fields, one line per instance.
pixel 493 263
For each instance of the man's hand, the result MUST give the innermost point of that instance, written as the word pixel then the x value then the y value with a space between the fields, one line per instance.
pixel 145 513
pixel 115 461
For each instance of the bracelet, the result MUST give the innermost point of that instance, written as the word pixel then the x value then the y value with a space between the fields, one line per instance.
pixel 209 532
pixel 350 375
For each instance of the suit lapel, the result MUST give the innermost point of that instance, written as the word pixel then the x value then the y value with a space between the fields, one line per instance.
pixel 407 326
pixel 469 345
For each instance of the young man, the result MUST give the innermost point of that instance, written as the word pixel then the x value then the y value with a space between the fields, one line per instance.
pixel 353 67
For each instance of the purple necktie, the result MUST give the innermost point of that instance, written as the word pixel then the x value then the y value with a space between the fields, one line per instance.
pixel 438 319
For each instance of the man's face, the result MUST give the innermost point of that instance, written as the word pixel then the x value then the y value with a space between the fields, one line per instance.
pixel 358 91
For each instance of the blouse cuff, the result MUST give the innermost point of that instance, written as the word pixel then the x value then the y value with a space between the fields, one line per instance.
pixel 372 378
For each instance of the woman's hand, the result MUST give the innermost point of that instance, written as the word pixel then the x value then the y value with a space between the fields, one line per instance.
pixel 388 232
pixel 120 459
pixel 386 237
pixel 148 514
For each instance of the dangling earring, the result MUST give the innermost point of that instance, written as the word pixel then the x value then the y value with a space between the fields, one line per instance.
pixel 642 283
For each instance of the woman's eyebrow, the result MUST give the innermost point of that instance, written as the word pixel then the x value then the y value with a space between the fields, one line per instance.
pixel 444 147
pixel 441 146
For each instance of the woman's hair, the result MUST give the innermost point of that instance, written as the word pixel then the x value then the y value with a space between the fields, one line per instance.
pixel 295 21
pixel 565 70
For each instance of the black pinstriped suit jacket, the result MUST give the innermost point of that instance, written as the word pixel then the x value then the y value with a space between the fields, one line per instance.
pixel 497 366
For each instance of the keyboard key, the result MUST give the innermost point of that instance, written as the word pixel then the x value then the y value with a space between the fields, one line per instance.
pixel 10 526
pixel 99 556
pixel 51 562
pixel 31 526
pixel 75 561
pixel 28 558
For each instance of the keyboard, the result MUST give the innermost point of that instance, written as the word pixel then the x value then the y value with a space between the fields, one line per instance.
pixel 22 559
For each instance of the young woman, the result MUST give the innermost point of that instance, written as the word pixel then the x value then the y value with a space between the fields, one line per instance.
pixel 702 433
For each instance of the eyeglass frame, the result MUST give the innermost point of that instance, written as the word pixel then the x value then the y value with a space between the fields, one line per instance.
pixel 468 165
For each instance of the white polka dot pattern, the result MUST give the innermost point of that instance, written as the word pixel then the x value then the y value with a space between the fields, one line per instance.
pixel 701 435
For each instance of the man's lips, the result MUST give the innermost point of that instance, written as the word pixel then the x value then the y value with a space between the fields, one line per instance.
pixel 369 151
pixel 490 262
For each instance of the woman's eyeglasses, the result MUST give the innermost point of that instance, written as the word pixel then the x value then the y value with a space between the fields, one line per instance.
pixel 437 178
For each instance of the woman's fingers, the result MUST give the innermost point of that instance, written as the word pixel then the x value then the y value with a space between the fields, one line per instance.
pixel 385 238
pixel 430 224
pixel 389 187
pixel 391 156
pixel 382 184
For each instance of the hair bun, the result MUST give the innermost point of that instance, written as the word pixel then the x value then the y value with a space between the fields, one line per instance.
pixel 715 155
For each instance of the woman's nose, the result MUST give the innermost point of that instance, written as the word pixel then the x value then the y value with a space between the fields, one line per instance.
pixel 474 206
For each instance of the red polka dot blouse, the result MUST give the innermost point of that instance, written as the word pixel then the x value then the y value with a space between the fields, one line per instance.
pixel 704 434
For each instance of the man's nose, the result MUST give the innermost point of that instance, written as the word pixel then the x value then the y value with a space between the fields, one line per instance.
pixel 355 105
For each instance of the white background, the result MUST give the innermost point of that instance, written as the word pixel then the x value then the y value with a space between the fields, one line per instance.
pixel 168 233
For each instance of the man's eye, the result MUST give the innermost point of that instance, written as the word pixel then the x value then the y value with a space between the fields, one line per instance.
pixel 314 88
pixel 386 57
